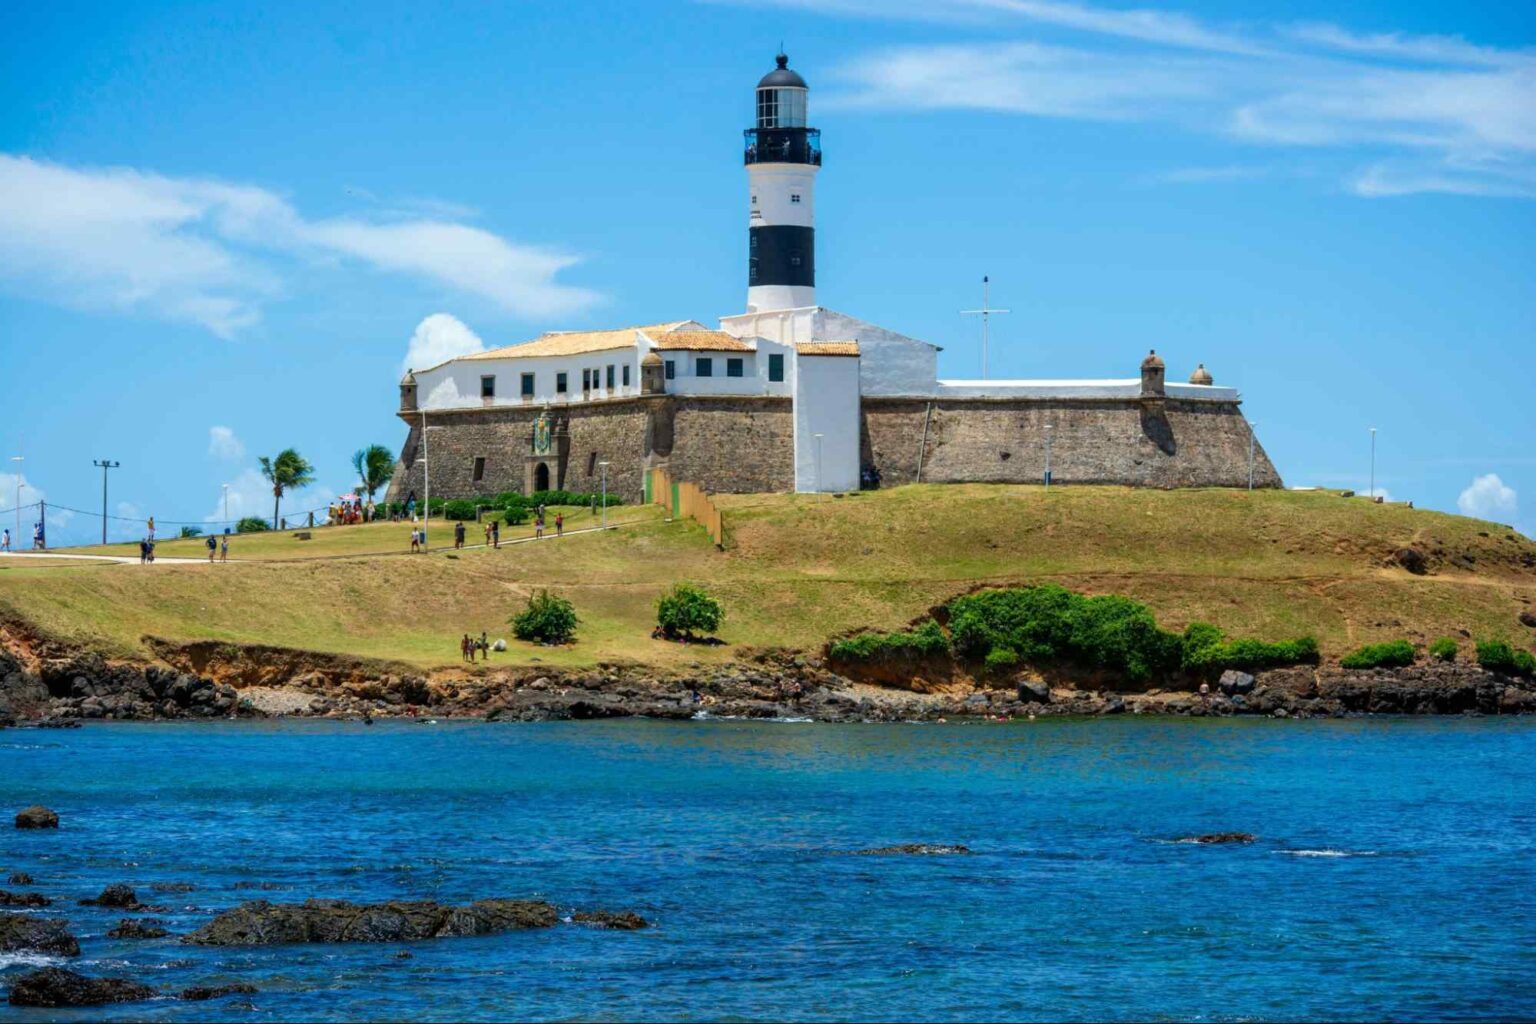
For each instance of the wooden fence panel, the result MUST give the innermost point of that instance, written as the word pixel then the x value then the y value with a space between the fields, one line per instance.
pixel 681 498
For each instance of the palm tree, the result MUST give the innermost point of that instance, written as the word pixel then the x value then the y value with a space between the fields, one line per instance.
pixel 375 466
pixel 288 472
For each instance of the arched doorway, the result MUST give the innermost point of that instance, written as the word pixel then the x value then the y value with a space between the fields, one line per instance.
pixel 541 477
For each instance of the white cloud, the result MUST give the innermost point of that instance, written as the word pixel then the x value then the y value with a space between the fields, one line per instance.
pixel 1454 117
pixel 1380 492
pixel 210 253
pixel 438 338
pixel 1488 497
pixel 223 444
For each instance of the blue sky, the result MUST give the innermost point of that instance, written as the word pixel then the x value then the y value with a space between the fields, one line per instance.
pixel 222 224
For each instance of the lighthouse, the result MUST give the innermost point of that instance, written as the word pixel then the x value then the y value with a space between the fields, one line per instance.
pixel 782 156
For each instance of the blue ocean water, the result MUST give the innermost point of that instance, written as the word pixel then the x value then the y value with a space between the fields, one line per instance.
pixel 1394 877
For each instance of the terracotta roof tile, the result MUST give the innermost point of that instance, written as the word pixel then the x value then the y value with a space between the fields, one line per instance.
pixel 575 343
pixel 828 348
pixel 699 341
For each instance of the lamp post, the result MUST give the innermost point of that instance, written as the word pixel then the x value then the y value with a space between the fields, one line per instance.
pixel 818 463
pixel 1373 463
pixel 104 464
pixel 18 459
pixel 1049 428
pixel 226 505
pixel 1251 427
pixel 426 483
pixel 604 464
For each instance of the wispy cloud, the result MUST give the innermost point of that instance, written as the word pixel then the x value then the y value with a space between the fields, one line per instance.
pixel 223 444
pixel 1415 113
pixel 212 253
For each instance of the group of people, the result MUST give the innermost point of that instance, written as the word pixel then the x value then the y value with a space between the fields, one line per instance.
pixel 349 511
pixel 220 544
pixel 469 646
pixel 538 523
pixel 37 539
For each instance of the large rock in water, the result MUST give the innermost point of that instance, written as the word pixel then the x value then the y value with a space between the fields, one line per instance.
pixel 260 923
pixel 36 816
pixel 915 850
pixel 54 986
pixel 1216 838
pixel 20 932
pixel 118 896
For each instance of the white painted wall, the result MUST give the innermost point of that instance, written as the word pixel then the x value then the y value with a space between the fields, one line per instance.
pixel 456 385
pixel 827 403
pixel 771 201
pixel 889 363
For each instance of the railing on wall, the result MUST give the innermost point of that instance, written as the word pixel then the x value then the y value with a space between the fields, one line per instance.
pixel 681 498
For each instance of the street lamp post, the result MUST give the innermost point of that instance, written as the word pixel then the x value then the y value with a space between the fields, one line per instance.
pixel 1049 428
pixel 1373 463
pixel 1251 427
pixel 105 465
pixel 818 463
pixel 18 459
pixel 605 493
pixel 226 506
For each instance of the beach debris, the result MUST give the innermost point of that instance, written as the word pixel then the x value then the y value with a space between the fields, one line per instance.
pixel 36 816
pixel 915 850
pixel 26 932
pixel 54 986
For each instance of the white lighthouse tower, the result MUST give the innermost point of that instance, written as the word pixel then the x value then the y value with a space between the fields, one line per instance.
pixel 782 157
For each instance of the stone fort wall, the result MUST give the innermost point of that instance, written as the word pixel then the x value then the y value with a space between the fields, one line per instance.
pixel 746 445
pixel 1166 443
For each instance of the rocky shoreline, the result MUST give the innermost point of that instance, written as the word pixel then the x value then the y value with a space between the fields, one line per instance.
pixel 67 688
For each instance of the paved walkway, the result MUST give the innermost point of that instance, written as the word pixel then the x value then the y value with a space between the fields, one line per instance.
pixel 115 559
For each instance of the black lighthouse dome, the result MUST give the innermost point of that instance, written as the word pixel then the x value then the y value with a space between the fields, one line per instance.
pixel 781 77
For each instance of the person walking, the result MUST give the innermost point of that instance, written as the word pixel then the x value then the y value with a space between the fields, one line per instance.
pixel 213 544
pixel 458 535
pixel 151 529
pixel 415 540
pixel 488 532
pixel 538 524
pixel 485 646
pixel 5 542
pixel 224 546
pixel 496 534
pixel 559 524
pixel 143 551
pixel 464 648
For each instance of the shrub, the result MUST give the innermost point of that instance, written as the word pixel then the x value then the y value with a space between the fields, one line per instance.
pixel 1120 634
pixel 1444 649
pixel 1393 654
pixel 514 515
pixel 1206 651
pixel 252 524
pixel 1525 663
pixel 926 640
pixel 547 620
pixel 1002 659
pixel 191 531
pixel 459 510
pixel 686 609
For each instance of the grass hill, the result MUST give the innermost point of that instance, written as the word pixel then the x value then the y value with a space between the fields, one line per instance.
pixel 799 569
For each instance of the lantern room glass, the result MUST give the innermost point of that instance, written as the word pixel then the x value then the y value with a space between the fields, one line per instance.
pixel 781 108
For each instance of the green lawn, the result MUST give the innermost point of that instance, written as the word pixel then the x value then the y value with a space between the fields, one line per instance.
pixel 798 569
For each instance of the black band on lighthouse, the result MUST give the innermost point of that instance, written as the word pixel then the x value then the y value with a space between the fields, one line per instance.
pixel 782 254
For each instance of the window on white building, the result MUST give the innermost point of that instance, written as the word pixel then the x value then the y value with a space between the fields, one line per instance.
pixel 626 375
pixel 488 386
pixel 704 366
pixel 527 385
pixel 776 368
pixel 671 368
pixel 560 384
pixel 794 197
pixel 733 367
pixel 610 376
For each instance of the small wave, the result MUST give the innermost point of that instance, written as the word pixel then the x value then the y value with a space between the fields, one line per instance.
pixel 29 746
pixel 28 959
pixel 1329 853
pixel 705 716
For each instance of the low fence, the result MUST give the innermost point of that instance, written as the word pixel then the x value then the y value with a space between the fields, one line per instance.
pixel 681 498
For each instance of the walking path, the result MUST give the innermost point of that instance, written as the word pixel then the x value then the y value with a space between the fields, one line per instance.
pixel 116 559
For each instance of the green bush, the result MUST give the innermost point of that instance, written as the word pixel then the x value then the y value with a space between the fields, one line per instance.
pixel 926 640
pixel 1444 649
pixel 252 524
pixel 686 609
pixel 547 620
pixel 1392 654
pixel 191 531
pixel 514 515
pixel 459 510
pixel 1206 651
pixel 1002 659
pixel 1499 656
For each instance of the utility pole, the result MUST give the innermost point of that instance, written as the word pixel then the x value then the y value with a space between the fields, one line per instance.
pixel 604 464
pixel 104 464
pixel 985 312
pixel 426 483
pixel 226 506
pixel 1372 464
pixel 18 459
